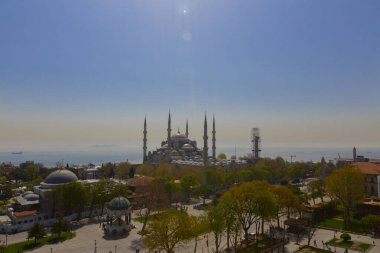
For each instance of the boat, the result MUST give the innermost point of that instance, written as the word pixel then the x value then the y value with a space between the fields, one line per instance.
pixel 17 153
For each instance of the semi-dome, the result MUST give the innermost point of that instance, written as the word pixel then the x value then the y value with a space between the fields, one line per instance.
pixel 61 177
pixel 31 197
pixel 187 147
pixel 118 203
pixel 26 193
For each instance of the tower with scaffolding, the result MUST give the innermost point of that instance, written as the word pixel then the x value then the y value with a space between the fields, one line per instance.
pixel 256 139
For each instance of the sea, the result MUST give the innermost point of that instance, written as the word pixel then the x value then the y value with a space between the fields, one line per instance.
pixel 50 158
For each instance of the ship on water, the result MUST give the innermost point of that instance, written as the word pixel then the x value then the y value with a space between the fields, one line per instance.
pixel 17 153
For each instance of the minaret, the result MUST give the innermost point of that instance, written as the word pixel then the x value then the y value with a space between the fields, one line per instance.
pixel 213 137
pixel 187 129
pixel 144 140
pixel 205 147
pixel 169 131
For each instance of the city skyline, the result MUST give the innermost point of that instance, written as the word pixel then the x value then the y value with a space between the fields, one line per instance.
pixel 87 73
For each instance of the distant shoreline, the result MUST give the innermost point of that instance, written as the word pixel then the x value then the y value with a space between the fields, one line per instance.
pixel 49 158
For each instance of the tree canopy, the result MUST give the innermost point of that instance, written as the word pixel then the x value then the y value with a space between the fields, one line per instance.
pixel 346 185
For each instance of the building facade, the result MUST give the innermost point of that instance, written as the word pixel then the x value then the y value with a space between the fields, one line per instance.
pixel 178 146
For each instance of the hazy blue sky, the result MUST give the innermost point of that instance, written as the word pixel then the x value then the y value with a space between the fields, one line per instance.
pixel 87 72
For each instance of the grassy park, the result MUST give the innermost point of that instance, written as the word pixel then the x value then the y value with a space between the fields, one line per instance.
pixel 337 223
pixel 30 245
pixel 353 245
pixel 309 249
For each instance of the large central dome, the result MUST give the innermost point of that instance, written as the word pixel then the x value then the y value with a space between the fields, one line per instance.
pixel 179 136
pixel 61 177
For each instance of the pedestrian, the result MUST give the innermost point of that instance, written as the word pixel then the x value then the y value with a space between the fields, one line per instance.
pixel 315 243
pixel 373 242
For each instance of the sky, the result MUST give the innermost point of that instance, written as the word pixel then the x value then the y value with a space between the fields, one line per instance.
pixel 84 73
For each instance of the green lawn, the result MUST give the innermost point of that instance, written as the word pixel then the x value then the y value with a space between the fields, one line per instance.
pixel 309 249
pixel 354 245
pixel 29 245
pixel 263 245
pixel 141 218
pixel 338 224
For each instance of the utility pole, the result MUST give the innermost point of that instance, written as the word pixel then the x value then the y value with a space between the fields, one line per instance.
pixel 291 158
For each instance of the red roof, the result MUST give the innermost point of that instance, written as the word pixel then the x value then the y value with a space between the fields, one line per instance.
pixel 368 168
pixel 25 213
pixel 139 181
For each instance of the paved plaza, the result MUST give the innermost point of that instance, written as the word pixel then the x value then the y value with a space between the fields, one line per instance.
pixel 84 241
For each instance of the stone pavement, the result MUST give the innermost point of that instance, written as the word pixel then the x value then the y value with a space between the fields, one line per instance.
pixel 84 241
pixel 326 235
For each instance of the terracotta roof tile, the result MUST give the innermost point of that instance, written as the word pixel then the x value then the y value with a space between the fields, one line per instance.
pixel 25 213
pixel 368 168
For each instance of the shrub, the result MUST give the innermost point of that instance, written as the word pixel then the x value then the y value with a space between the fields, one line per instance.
pixel 346 237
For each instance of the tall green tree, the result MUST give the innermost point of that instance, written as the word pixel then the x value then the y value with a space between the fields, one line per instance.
pixel 233 226
pixel 245 203
pixel 37 231
pixel 189 183
pixel 61 225
pixel 199 227
pixel 171 230
pixel 286 202
pixel 346 185
pixel 217 224
pixel 266 204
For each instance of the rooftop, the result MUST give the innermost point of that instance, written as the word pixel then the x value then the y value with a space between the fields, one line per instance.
pixel 368 168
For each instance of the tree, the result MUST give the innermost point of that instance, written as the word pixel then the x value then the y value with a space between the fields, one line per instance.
pixel 61 225
pixel 213 181
pixel 346 185
pixel 222 156
pixel 119 190
pixel 371 221
pixel 244 203
pixel 154 198
pixel 346 237
pixel 286 202
pixel 199 226
pixel 310 231
pixel 315 188
pixel 122 170
pixel 266 204
pixel 217 224
pixel 233 226
pixel 188 183
pixel 31 171
pixel 171 229
pixel 37 231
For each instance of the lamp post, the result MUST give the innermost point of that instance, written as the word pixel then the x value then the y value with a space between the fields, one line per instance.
pixel 95 247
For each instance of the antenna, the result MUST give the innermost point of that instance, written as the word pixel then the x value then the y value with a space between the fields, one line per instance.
pixel 256 139
pixel 291 158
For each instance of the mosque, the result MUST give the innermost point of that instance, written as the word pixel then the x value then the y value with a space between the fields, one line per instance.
pixel 178 148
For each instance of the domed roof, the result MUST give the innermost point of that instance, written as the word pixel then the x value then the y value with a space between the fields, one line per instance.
pixel 187 146
pixel 31 197
pixel 26 193
pixel 118 203
pixel 61 177
pixel 178 135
